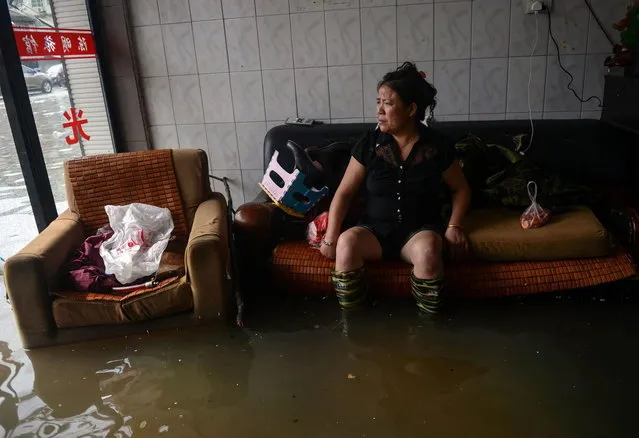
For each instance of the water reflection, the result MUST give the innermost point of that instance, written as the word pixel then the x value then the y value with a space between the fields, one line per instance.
pixel 160 385
pixel 557 368
pixel 8 396
pixel 414 379
pixel 45 424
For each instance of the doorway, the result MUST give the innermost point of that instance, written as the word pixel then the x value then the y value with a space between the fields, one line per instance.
pixel 63 83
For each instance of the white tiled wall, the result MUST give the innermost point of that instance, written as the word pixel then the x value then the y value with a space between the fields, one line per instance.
pixel 217 74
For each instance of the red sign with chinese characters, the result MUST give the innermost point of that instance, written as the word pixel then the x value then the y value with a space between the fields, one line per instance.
pixel 40 43
pixel 75 122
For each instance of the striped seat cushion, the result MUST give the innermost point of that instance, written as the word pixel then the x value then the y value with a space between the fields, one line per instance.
pixel 299 267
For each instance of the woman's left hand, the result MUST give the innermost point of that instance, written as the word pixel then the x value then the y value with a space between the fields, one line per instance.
pixel 457 243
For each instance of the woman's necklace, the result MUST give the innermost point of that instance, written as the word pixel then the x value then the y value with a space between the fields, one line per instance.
pixel 411 141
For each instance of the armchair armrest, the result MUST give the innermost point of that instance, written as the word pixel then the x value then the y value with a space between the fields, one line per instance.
pixel 207 259
pixel 254 223
pixel 257 230
pixel 32 274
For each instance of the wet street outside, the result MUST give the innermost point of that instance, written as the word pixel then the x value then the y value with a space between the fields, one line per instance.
pixel 15 209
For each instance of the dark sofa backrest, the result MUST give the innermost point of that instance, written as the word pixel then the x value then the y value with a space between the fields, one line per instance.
pixel 591 151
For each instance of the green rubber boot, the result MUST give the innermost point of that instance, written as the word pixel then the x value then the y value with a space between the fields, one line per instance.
pixel 427 293
pixel 351 287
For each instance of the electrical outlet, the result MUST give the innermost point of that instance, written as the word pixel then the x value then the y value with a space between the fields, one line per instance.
pixel 530 6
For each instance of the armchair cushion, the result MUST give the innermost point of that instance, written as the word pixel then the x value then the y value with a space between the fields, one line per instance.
pixel 76 309
pixel 171 295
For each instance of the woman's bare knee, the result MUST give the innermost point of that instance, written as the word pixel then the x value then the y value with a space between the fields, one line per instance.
pixel 425 255
pixel 354 247
pixel 347 252
pixel 427 266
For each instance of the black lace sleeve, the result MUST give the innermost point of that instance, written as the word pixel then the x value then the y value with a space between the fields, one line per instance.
pixel 446 152
pixel 364 148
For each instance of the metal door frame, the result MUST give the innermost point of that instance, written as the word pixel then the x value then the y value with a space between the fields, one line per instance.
pixel 23 126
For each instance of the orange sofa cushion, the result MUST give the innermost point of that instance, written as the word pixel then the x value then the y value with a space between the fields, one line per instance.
pixel 302 269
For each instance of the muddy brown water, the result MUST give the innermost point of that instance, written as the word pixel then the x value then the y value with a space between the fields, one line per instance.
pixel 516 368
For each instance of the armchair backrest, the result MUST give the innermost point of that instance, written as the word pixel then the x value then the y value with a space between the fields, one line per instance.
pixel 176 180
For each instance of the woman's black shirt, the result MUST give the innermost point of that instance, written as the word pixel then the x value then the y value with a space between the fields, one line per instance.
pixel 404 194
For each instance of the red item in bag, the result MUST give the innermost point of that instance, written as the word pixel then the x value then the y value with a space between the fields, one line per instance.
pixel 535 216
pixel 316 230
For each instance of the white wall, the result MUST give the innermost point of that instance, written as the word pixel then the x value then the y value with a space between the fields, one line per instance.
pixel 217 74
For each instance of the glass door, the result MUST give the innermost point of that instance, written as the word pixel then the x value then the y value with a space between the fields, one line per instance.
pixel 61 73
pixel 53 111
pixel 16 215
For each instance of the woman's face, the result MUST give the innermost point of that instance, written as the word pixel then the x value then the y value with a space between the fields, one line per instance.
pixel 392 114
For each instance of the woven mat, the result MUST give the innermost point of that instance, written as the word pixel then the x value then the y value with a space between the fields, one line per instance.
pixel 114 297
pixel 119 179
pixel 301 268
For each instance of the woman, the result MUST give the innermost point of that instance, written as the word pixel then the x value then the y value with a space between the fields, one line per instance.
pixel 403 163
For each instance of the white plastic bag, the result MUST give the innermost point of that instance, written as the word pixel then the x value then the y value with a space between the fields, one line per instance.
pixel 141 233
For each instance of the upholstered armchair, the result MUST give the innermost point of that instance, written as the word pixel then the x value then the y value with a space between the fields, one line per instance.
pixel 196 262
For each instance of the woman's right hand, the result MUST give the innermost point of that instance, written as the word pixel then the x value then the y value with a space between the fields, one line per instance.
pixel 328 251
pixel 352 179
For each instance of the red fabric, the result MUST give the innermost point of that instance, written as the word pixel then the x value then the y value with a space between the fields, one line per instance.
pixel 86 269
pixel 316 230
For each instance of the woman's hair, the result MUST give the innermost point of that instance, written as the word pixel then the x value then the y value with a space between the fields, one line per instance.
pixel 412 87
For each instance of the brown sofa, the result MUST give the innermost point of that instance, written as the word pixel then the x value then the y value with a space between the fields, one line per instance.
pixel 579 248
pixel 196 263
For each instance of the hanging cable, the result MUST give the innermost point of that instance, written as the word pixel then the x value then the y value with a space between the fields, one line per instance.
pixel 530 72
pixel 601 26
pixel 572 78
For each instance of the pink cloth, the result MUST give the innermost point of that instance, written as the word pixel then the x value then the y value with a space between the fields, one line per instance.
pixel 316 230
pixel 86 269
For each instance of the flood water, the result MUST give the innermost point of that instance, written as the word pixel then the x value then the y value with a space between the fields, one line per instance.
pixel 535 367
